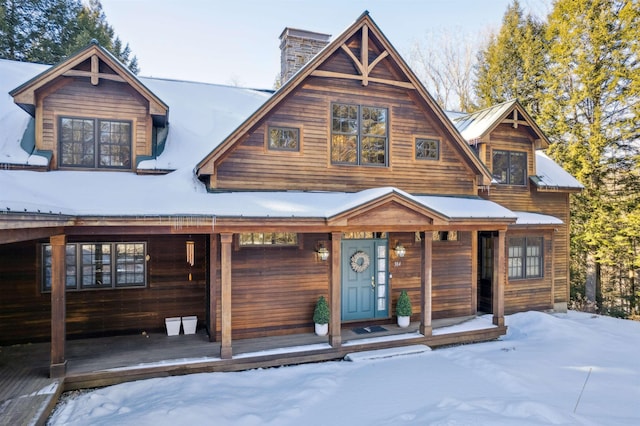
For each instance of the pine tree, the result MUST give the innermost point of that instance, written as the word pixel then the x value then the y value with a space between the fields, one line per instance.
pixel 590 108
pixel 91 23
pixel 47 31
pixel 512 63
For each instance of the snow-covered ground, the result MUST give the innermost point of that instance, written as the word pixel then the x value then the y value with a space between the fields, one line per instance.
pixel 573 368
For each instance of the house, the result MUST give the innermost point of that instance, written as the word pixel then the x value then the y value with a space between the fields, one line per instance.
pixel 126 200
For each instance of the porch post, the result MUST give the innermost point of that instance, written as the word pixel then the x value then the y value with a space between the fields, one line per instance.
pixel 426 308
pixel 474 272
pixel 58 366
pixel 225 296
pixel 551 255
pixel 499 277
pixel 335 331
pixel 213 286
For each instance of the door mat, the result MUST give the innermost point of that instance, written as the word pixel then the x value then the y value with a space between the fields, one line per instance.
pixel 367 330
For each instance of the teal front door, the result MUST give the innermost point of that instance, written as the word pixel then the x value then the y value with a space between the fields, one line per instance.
pixel 364 279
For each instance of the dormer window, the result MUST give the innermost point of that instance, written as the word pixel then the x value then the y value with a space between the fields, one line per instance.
pixel 95 143
pixel 510 167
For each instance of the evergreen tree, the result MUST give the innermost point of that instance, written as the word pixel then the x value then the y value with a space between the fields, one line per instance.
pixel 47 31
pixel 512 63
pixel 590 108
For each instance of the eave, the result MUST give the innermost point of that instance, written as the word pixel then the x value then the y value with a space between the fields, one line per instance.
pixel 25 95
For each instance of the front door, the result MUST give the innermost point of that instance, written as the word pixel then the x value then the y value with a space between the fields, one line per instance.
pixel 364 279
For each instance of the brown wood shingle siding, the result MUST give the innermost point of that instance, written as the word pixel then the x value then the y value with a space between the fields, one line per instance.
pixel 108 100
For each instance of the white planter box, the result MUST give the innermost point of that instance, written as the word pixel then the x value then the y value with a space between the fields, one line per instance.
pixel 173 325
pixel 189 324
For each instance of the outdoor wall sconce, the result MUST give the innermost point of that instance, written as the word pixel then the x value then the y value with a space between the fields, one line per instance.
pixel 323 253
pixel 400 250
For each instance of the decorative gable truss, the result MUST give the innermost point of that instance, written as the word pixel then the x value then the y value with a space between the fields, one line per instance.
pixel 361 53
pixel 371 53
pixel 92 88
pixel 506 127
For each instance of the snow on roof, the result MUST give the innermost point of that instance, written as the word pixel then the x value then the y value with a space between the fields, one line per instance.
pixel 474 126
pixel 466 207
pixel 13 120
pixel 201 115
pixel 528 218
pixel 86 193
pixel 550 174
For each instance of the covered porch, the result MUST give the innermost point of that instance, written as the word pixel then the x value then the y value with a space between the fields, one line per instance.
pixel 28 395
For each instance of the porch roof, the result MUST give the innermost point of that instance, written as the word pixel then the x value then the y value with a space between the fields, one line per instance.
pixel 104 194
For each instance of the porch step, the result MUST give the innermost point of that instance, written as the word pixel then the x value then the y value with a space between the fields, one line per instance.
pixel 387 353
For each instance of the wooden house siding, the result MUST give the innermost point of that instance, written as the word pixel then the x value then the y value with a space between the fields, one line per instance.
pixel 554 204
pixel 25 310
pixel 532 294
pixel 252 166
pixel 108 100
pixel 274 289
pixel 453 283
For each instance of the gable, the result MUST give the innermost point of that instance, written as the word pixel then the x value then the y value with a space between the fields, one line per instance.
pixel 93 63
pixel 478 126
pixel 358 62
pixel 90 112
pixel 391 209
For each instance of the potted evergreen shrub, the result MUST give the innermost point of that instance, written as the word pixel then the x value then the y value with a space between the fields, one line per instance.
pixel 403 309
pixel 321 317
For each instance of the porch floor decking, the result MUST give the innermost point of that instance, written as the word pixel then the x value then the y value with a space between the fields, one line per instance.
pixel 27 394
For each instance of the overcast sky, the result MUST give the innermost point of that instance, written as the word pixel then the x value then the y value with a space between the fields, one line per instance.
pixel 236 42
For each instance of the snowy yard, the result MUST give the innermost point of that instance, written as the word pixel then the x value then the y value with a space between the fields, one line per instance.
pixel 570 368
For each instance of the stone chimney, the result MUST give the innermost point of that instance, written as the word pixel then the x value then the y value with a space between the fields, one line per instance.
pixel 297 47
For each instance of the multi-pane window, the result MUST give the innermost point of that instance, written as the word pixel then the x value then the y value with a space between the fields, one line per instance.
pixel 269 239
pixel 525 257
pixel 284 138
pixel 510 167
pixel 445 235
pixel 95 143
pixel 427 149
pixel 358 135
pixel 99 265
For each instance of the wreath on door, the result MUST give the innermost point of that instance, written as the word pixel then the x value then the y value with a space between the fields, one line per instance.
pixel 360 261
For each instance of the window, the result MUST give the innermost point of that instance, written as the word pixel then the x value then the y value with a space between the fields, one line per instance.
pixel 95 143
pixel 444 236
pixel 510 167
pixel 358 135
pixel 100 265
pixel 427 149
pixel 284 139
pixel 525 257
pixel 363 235
pixel 269 239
